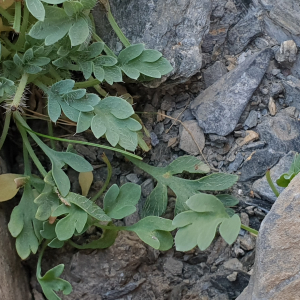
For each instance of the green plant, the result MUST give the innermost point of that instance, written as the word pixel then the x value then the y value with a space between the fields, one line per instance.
pixel 285 179
pixel 55 39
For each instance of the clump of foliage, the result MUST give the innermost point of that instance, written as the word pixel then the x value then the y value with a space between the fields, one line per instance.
pixel 54 39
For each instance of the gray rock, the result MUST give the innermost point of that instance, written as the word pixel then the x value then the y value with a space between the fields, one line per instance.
pixel 233 167
pixel 276 89
pixel 247 241
pixel 214 73
pixel 217 138
pixel 244 32
pixel 187 143
pixel 276 268
pixel 287 54
pixel 132 178
pixel 295 70
pixel 219 108
pixel 154 139
pixel 281 132
pixel 292 91
pixel 252 119
pixel 261 186
pixel 174 28
pixel 260 162
pixel 233 264
pixel 147 187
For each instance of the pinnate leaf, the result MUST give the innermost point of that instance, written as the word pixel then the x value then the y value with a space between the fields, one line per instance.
pixel 198 226
pixel 24 226
pixel 51 283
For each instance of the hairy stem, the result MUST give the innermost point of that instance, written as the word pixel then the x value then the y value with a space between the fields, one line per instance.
pixel 18 15
pixel 28 146
pixel 5 128
pixel 20 90
pixel 271 184
pixel 86 84
pixel 6 15
pixel 100 90
pixel 249 229
pixel 107 181
pixel 50 130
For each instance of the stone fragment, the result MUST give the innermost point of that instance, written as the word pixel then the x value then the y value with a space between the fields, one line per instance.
pixel 176 30
pixel 244 32
pixel 251 120
pixel 233 264
pixel 277 268
pixel 281 133
pixel 258 163
pixel 261 186
pixel 254 146
pixel 187 142
pixel 219 108
pixel 132 177
pixel 244 219
pixel 216 36
pixel 247 241
pixel 272 107
pixel 154 139
pixel 250 137
pixel 292 91
pixel 147 187
pixel 214 73
pixel 167 103
pixel 287 54
pixel 233 167
pixel 232 276
pixel 173 266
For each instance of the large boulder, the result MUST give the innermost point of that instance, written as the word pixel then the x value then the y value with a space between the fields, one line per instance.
pixel 276 269
pixel 175 28
pixel 14 283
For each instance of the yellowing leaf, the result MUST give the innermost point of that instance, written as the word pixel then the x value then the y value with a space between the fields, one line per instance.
pixel 8 186
pixel 6 3
pixel 85 181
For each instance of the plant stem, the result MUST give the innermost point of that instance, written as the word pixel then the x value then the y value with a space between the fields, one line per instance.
pixel 114 24
pixel 27 169
pixel 109 173
pixel 5 128
pixel 86 84
pixel 100 90
pixel 249 229
pixel 271 184
pixel 87 144
pixel 50 130
pixel 18 14
pixel 21 40
pixel 29 148
pixel 20 90
pixel 9 44
pixel 5 14
pixel 4 52
pixel 54 74
pixel 39 263
pixel 41 85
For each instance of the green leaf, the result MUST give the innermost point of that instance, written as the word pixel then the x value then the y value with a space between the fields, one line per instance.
pixel 88 206
pixel 230 229
pixel 285 179
pixel 228 200
pixel 49 233
pixel 107 239
pixel 47 202
pixel 156 202
pixel 79 32
pixel 120 203
pixel 130 53
pixel 51 283
pixel 152 230
pixel 24 226
pixel 6 86
pixel 112 118
pixel 75 219
pixel 183 188
pixel 36 8
pixel 198 226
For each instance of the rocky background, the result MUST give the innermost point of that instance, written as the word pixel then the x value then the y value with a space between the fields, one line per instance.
pixel 236 88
